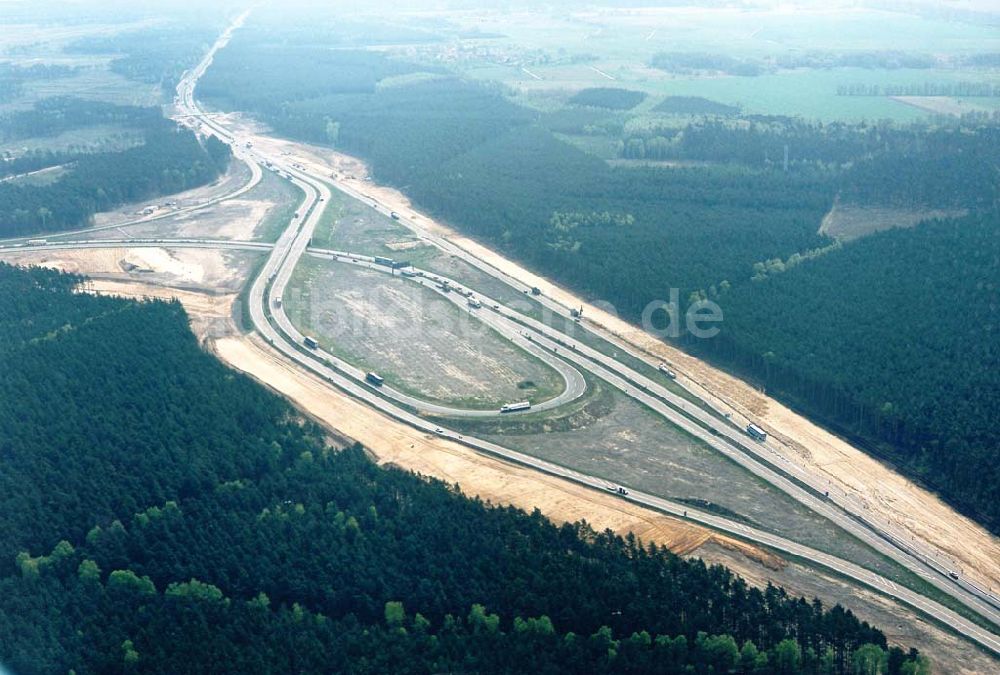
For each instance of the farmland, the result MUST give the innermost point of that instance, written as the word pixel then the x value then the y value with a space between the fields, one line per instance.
pixel 609 48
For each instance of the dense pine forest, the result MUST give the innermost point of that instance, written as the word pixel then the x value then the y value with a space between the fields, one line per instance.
pixel 732 216
pixel 169 160
pixel 925 380
pixel 186 519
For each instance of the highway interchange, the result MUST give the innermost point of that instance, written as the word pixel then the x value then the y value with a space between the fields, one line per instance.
pixel 568 356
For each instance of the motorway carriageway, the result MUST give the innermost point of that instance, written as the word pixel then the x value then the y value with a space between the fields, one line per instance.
pixel 271 282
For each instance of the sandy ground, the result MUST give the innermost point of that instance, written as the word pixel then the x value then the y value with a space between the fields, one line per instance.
pixel 237 176
pixel 392 442
pixel 237 219
pixel 209 269
pixel 395 444
pixel 208 280
pixel 889 496
pixel 211 315
pixel 901 625
pixel 848 222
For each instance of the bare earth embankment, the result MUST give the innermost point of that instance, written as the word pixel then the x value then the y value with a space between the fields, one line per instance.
pixel 888 495
pixel 395 444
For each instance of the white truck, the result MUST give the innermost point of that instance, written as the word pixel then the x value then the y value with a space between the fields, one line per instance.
pixel 666 371
pixel 756 433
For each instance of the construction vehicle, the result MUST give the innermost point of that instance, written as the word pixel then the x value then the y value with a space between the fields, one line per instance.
pixel 310 342
pixel 756 433
pixel 372 378
pixel 515 407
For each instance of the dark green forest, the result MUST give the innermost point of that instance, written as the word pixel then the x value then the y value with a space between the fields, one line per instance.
pixel 608 97
pixel 187 520
pixel 694 105
pixel 157 55
pixel 897 338
pixel 170 160
pixel 717 229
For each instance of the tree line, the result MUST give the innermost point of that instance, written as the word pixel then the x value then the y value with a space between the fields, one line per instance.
pixel 157 55
pixel 498 172
pixel 186 519
pixel 893 340
pixel 170 160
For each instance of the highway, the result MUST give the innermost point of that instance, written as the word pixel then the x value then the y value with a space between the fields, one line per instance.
pixel 278 331
pixel 679 411
pixel 574 383
pixel 256 175
pixel 917 556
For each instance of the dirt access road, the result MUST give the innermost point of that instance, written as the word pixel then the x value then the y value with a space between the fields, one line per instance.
pixel 888 496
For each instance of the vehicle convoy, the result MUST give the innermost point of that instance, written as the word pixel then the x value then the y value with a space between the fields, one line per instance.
pixel 310 342
pixel 374 379
pixel 515 407
pixel 756 433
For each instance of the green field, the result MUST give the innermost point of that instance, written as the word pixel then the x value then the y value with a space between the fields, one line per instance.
pixel 562 55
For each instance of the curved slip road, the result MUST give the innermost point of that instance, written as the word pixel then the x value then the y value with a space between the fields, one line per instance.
pixel 575 385
pixel 291 245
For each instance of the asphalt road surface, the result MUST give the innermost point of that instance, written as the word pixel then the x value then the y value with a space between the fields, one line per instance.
pixel 714 430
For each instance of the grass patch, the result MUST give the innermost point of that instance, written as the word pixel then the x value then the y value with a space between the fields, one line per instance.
pixel 288 197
